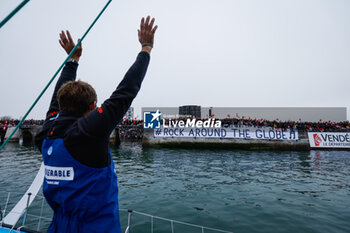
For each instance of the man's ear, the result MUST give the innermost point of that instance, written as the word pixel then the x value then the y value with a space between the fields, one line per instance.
pixel 93 105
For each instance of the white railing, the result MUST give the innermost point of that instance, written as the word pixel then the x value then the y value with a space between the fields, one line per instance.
pixel 128 227
pixel 152 217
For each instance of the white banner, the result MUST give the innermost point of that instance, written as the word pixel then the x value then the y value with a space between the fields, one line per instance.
pixel 329 140
pixel 244 132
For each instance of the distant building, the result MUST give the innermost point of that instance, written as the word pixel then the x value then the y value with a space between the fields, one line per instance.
pixel 312 114
pixel 190 110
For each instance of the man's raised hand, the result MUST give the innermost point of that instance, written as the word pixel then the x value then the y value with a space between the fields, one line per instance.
pixel 67 44
pixel 146 33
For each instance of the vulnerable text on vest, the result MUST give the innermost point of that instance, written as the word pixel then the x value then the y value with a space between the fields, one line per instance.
pixel 59 173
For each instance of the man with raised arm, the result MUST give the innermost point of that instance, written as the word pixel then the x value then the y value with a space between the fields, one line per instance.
pixel 80 183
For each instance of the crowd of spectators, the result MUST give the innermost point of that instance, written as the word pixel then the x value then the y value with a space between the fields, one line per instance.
pixel 131 134
pixel 133 122
pixel 321 126
pixel 128 131
pixel 25 123
pixel 6 123
pixel 132 129
pixel 3 129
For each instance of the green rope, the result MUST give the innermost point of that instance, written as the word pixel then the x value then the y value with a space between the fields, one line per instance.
pixel 2 23
pixel 54 76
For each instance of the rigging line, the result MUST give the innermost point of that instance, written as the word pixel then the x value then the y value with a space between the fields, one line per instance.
pixel 54 76
pixel 22 4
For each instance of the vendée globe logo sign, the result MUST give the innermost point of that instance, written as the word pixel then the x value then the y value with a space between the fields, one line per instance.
pixel 152 120
pixel 329 139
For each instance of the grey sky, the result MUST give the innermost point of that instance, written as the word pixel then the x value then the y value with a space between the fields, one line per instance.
pixel 243 53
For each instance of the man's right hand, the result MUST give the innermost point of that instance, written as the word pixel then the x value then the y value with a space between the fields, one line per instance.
pixel 67 44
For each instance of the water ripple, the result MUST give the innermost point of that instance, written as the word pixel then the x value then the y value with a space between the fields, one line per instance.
pixel 240 191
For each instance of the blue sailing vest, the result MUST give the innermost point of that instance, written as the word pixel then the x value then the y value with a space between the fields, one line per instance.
pixel 84 199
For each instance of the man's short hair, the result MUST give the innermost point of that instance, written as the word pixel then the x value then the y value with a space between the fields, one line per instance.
pixel 76 97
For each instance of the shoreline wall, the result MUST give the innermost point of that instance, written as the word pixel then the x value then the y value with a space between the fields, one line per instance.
pixel 149 140
pixel 23 133
pixel 31 131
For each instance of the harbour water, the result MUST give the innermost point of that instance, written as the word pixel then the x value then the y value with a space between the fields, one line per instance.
pixel 232 190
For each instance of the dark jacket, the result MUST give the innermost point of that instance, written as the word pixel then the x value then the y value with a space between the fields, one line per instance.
pixel 87 137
